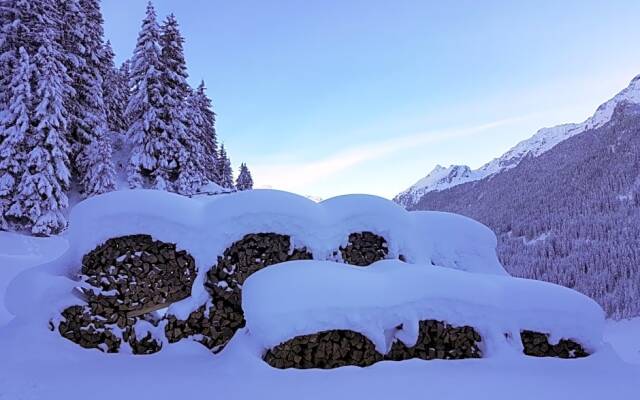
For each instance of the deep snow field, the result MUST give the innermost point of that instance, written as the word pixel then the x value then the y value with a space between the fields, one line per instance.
pixel 38 364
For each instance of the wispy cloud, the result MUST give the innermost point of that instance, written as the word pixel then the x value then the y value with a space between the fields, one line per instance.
pixel 294 175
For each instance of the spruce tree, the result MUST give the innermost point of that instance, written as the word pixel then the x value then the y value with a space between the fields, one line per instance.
pixel 186 146
pixel 244 181
pixel 91 119
pixel 224 169
pixel 41 193
pixel 15 128
pixel 16 32
pixel 203 120
pixel 114 89
pixel 150 163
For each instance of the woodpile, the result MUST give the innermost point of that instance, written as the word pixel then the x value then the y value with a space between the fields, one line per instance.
pixel 214 325
pixel 537 344
pixel 131 277
pixel 146 345
pixel 139 272
pixel 338 348
pixel 439 340
pixel 89 331
pixel 364 248
pixel 329 349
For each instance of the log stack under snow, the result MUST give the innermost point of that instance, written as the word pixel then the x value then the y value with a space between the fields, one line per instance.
pixel 329 349
pixel 215 324
pixel 439 340
pixel 364 248
pixel 339 348
pixel 537 344
pixel 127 279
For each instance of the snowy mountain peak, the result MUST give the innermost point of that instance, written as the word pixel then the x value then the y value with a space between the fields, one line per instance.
pixel 544 140
pixel 438 179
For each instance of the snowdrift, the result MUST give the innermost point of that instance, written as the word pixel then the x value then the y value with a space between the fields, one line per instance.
pixel 205 227
pixel 127 247
pixel 305 297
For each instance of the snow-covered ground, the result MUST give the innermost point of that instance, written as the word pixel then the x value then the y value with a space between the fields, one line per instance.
pixel 452 262
pixel 19 252
pixel 624 336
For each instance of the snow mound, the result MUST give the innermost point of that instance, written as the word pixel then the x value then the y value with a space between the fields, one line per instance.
pixel 305 297
pixel 20 252
pixel 205 227
pixel 544 140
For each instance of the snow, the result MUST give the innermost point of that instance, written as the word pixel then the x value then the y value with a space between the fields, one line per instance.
pixel 624 336
pixel 544 140
pixel 39 364
pixel 305 297
pixel 18 253
pixel 207 226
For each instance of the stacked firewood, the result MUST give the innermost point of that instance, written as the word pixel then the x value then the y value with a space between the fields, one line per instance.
pixel 138 272
pixel 338 348
pixel 537 344
pixel 215 324
pixel 328 349
pixel 439 340
pixel 212 326
pixel 79 325
pixel 364 248
pixel 129 279
pixel 147 344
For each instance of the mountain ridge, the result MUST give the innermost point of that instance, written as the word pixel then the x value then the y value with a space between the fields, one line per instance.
pixel 543 140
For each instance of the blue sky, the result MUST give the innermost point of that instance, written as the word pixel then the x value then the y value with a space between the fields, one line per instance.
pixel 336 96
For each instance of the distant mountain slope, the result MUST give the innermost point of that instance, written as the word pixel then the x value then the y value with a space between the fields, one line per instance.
pixel 569 215
pixel 544 140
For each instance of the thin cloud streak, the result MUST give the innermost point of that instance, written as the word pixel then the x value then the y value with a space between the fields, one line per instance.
pixel 293 176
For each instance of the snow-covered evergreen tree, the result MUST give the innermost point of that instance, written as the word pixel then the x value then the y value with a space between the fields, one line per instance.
pixel 91 118
pixel 15 128
pixel 224 169
pixel 202 123
pixel 150 162
pixel 100 177
pixel 244 181
pixel 41 192
pixel 115 91
pixel 185 141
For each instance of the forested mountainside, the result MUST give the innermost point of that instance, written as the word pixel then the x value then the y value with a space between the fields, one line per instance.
pixel 545 139
pixel 570 215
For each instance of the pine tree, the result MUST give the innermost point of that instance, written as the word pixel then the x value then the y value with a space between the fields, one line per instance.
pixel 115 90
pixel 224 169
pixel 203 120
pixel 244 181
pixel 41 193
pixel 150 162
pixel 100 176
pixel 186 144
pixel 91 118
pixel 15 128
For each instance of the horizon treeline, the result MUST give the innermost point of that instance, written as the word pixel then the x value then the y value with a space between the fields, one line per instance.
pixel 72 122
